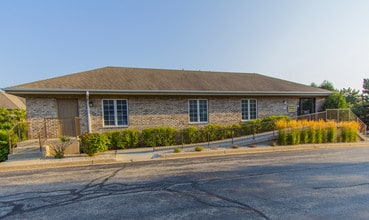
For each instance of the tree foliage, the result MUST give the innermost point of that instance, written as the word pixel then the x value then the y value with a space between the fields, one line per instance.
pixel 335 101
pixel 327 85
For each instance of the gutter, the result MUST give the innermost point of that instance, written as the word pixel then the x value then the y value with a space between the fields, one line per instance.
pixel 88 111
pixel 15 91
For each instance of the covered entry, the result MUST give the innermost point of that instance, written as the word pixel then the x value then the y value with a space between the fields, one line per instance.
pixel 306 106
pixel 68 117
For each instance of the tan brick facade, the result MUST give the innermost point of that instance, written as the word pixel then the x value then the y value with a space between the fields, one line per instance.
pixel 146 112
pixel 149 111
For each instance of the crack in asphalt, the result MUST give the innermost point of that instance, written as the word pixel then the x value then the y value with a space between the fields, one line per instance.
pixel 52 199
pixel 229 203
pixel 340 187
pixel 19 203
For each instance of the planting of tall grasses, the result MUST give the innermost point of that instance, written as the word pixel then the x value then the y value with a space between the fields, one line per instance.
pixel 302 132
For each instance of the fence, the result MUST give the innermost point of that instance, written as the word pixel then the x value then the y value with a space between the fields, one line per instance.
pixel 43 129
pixel 209 136
pixel 17 133
pixel 336 115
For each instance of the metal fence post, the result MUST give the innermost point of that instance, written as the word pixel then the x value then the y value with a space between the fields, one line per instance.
pixel 182 137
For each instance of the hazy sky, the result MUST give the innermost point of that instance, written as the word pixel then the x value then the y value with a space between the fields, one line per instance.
pixel 298 40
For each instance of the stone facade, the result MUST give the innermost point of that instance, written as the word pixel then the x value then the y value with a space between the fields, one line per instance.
pixel 153 111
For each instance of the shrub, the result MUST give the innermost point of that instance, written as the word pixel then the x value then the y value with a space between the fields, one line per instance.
pixel 148 137
pixel 235 146
pixel 215 132
pixel 167 136
pixel 177 150
pixel 4 146
pixel 199 148
pixel 124 139
pixel 93 143
pixel 190 135
pixel 161 136
pixel 59 146
pixel 234 130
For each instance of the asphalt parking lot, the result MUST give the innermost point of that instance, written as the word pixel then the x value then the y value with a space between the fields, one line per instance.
pixel 306 184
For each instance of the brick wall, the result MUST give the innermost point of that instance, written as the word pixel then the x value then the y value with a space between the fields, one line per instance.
pixel 148 111
pixel 42 112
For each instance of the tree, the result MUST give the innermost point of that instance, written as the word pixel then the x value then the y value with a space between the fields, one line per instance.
pixel 334 101
pixel 327 85
pixel 352 97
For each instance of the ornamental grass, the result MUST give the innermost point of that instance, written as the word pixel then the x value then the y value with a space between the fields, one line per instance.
pixel 303 132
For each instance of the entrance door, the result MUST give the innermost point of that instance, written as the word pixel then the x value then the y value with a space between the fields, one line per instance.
pixel 67 112
pixel 306 106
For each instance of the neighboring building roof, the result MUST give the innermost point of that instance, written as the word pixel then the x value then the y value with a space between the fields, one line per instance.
pixel 11 102
pixel 121 80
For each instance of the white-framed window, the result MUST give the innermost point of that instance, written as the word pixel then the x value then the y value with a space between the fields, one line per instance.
pixel 248 109
pixel 198 110
pixel 115 112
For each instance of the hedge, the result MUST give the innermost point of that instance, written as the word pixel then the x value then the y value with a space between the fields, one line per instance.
pixel 167 136
pixel 123 139
pixel 4 146
pixel 93 143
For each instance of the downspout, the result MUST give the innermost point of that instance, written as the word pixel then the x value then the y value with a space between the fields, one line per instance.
pixel 88 112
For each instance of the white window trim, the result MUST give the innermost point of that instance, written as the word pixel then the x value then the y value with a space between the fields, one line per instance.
pixel 249 114
pixel 115 114
pixel 198 112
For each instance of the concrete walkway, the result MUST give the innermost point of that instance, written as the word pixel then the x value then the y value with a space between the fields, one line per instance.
pixel 27 155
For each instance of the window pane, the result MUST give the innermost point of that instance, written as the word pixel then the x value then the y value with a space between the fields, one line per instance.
pixel 253 109
pixel 108 108
pixel 193 110
pixel 122 114
pixel 203 110
pixel 245 109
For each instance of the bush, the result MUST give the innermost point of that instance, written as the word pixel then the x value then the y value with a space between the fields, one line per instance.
pixel 4 146
pixel 199 148
pixel 59 146
pixel 161 136
pixel 177 150
pixel 93 143
pixel 190 135
pixel 124 139
pixel 215 132
pixel 235 146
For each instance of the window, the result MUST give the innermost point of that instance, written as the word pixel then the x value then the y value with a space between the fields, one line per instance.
pixel 248 109
pixel 115 112
pixel 198 110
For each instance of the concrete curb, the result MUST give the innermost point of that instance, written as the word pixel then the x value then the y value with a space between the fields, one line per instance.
pixel 112 158
pixel 44 164
pixel 262 150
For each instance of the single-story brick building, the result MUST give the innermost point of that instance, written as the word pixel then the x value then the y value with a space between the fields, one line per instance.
pixel 116 98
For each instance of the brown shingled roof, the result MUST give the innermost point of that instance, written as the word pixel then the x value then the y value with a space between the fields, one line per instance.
pixel 11 102
pixel 161 81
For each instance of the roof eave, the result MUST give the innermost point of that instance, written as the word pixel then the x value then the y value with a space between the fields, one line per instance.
pixel 20 91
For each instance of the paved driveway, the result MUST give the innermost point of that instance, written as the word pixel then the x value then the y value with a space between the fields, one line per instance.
pixel 314 184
